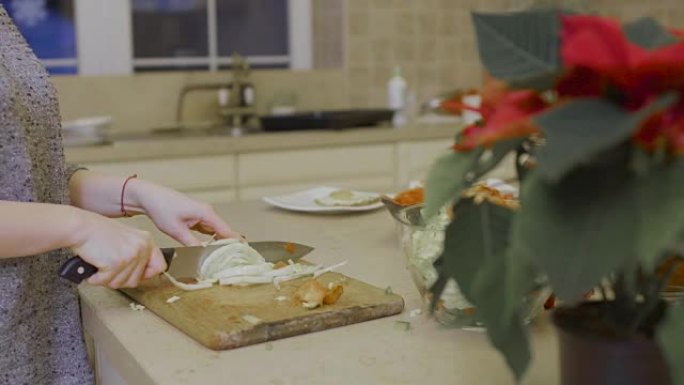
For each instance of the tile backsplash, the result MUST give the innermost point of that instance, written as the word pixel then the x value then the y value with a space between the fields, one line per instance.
pixel 148 101
pixel 356 45
pixel 433 41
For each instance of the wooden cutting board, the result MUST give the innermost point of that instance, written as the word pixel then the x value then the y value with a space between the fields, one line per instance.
pixel 214 317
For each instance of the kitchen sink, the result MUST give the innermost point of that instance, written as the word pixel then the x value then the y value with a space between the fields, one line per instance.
pixel 330 119
pixel 321 120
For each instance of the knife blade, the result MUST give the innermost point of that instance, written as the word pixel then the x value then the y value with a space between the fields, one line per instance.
pixel 185 261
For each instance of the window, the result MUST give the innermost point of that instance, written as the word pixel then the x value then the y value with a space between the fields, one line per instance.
pixel 102 37
pixel 170 34
pixel 255 28
pixel 49 28
pixel 203 34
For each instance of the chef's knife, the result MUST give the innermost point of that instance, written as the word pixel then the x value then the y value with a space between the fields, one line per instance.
pixel 184 261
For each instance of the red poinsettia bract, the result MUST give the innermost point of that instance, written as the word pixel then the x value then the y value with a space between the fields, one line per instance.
pixel 509 117
pixel 664 129
pixel 601 61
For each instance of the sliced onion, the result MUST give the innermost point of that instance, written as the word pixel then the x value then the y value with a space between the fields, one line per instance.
pixel 244 280
pixel 201 285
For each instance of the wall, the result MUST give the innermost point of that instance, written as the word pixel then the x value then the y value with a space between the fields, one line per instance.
pixel 148 101
pixel 433 40
pixel 359 41
pixel 328 33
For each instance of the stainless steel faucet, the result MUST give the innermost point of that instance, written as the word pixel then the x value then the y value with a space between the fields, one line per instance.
pixel 237 104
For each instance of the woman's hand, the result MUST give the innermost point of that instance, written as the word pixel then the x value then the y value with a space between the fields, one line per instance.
pixel 123 255
pixel 177 215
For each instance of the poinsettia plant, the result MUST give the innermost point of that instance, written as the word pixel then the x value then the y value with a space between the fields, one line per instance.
pixel 599 106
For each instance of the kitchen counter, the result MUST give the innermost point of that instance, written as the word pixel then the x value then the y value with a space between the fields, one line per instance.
pixel 138 348
pixel 158 146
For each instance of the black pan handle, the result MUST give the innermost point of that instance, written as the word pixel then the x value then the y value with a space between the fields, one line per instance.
pixel 76 269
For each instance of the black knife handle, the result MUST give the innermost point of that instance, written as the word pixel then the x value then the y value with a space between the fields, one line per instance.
pixel 76 269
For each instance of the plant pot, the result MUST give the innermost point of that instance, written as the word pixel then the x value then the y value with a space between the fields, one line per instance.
pixel 587 357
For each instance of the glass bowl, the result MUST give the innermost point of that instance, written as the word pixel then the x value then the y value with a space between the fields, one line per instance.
pixel 422 244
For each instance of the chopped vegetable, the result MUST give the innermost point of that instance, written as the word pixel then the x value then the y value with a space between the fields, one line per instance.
pixel 252 319
pixel 136 306
pixel 281 298
pixel 244 280
pixel 329 269
pixel 236 263
pixel 189 286
pixel 402 325
pixel 388 290
pixel 415 312
pixel 311 269
pixel 173 299
pixel 474 329
pixel 313 294
pixel 333 295
pixel 230 258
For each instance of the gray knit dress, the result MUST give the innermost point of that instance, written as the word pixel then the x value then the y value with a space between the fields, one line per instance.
pixel 41 340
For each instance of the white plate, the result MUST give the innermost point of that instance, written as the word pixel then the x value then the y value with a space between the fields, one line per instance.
pixel 305 201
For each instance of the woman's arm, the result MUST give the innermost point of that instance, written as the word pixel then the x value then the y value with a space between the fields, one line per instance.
pixel 172 212
pixel 122 255
pixel 34 228
pixel 102 194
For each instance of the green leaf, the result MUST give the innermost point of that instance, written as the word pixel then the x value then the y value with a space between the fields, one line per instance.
pixel 506 331
pixel 455 171
pixel 579 130
pixel 475 256
pixel 542 82
pixel 522 278
pixel 492 157
pixel 520 47
pixel 670 335
pixel 477 234
pixel 648 33
pixel 580 230
pixel 660 209
pixel 447 178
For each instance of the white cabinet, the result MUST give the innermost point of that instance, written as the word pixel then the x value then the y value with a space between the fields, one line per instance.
pixel 209 178
pixel 382 167
pixel 189 173
pixel 370 167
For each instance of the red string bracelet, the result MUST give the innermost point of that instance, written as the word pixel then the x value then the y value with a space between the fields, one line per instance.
pixel 123 190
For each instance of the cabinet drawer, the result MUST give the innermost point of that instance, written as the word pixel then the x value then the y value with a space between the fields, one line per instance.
pixel 313 166
pixel 179 173
pixel 215 196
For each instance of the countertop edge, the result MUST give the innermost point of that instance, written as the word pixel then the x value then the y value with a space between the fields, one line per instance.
pixel 173 147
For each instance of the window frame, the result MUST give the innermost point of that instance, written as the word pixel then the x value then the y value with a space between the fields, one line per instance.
pixel 110 21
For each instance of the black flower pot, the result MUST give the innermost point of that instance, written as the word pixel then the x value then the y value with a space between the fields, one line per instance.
pixel 588 358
